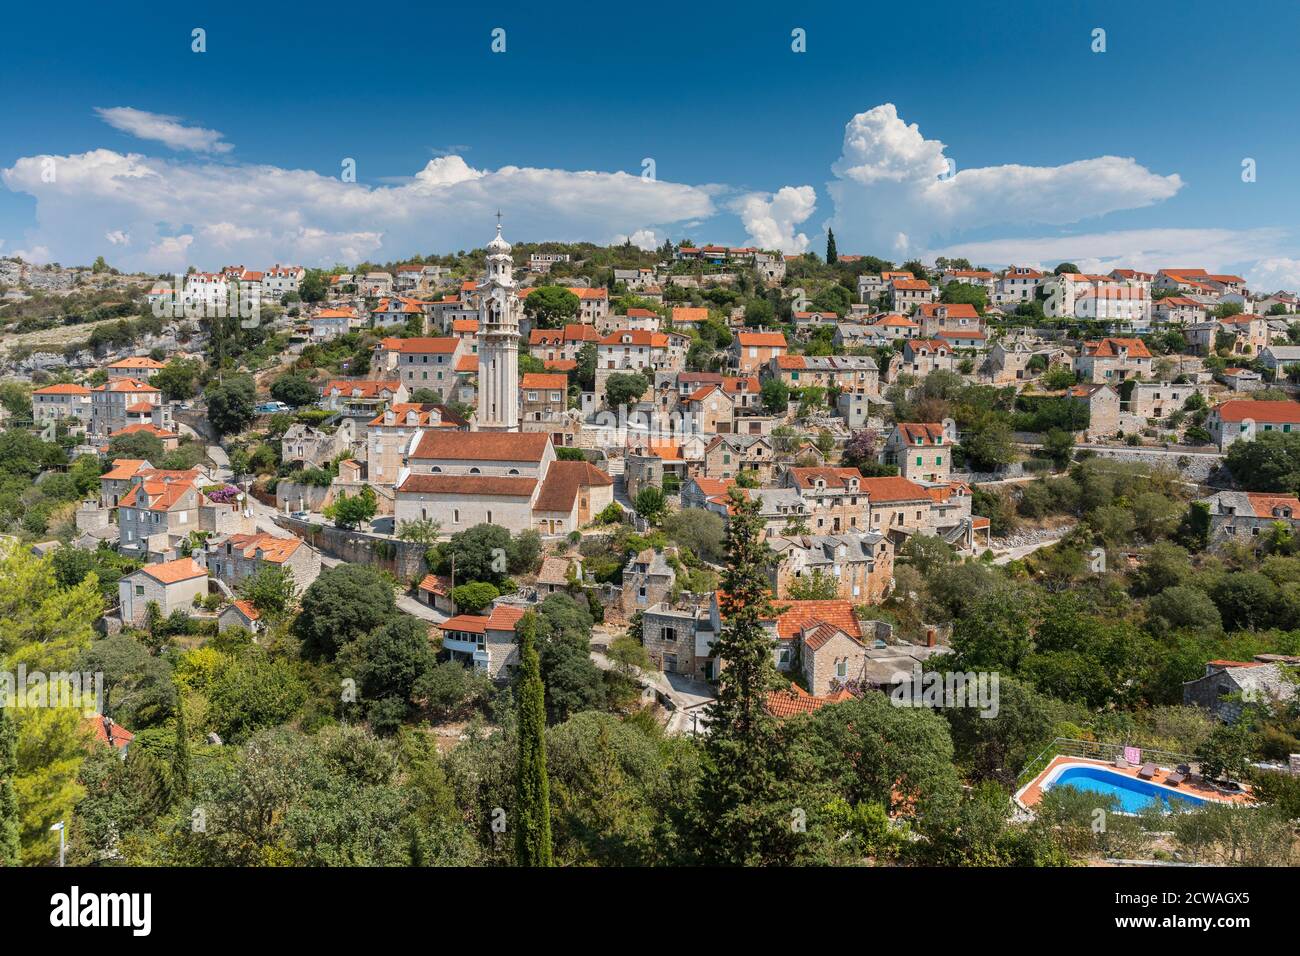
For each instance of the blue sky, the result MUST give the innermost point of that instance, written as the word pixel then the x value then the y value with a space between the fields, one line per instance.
pixel 730 115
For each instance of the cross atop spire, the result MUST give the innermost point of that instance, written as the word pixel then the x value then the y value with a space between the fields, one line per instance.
pixel 498 220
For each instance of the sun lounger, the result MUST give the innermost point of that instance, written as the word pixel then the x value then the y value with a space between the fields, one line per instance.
pixel 1184 769
pixel 1175 778
pixel 1148 771
pixel 1123 764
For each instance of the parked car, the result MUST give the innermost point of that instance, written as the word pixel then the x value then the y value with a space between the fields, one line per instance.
pixel 272 408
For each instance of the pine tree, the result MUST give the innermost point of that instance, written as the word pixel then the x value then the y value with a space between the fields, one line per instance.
pixel 742 819
pixel 181 755
pixel 532 791
pixel 832 256
pixel 9 832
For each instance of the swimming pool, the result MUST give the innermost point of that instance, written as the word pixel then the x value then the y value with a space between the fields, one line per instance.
pixel 1134 795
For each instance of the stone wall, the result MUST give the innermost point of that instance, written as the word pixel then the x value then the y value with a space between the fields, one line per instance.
pixel 404 559
pixel 1193 467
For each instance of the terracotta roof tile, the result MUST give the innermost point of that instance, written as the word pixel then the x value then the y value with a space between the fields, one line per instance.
pixel 169 572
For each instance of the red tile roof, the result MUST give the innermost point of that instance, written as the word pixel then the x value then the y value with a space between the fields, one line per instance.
pixel 123 468
pixel 682 313
pixel 63 388
pixel 139 361
pixel 504 618
pixel 430 345
pixel 1239 409
pixel 956 310
pixel 921 432
pixel 796 700
pixel 794 616
pixel 563 479
pixel 890 489
pixel 365 388
pixel 470 623
pixel 834 477
pixel 641 337
pixel 108 731
pixel 497 485
pixel 761 339
pixel 169 572
pixel 1109 348
pixel 543 381
pixel 482 446
pixel 435 584
pixel 247 609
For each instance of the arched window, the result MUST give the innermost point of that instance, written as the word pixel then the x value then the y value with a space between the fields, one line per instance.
pixel 475 471
pixel 513 471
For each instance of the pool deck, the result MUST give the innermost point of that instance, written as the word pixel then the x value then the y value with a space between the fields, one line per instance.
pixel 1033 792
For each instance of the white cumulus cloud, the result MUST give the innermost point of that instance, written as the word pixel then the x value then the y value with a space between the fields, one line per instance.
pixel 264 214
pixel 168 130
pixel 642 239
pixel 1242 251
pixel 770 219
pixel 888 193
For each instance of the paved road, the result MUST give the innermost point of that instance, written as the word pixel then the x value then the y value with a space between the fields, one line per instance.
pixel 1015 554
pixel 414 608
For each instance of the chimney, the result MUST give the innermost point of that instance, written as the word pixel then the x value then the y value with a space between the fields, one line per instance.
pixel 931 636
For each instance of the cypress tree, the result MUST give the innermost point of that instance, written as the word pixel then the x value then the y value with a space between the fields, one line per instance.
pixel 832 256
pixel 181 755
pixel 532 791
pixel 742 818
pixel 9 832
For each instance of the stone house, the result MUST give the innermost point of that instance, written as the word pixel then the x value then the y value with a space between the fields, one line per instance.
pixel 157 510
pixel 140 367
pixel 711 409
pixel 236 557
pixel 726 456
pixel 1243 419
pixel 434 590
pixel 486 642
pixel 172 585
pixel 1162 399
pixel 240 614
pixel 58 402
pixel 1103 408
pixel 923 356
pixel 312 447
pixel 862 564
pixel 112 404
pixel 1227 685
pixel 648 579
pixel 544 397
pixel 751 351
pixel 921 450
pixel 1113 360
pixel 908 294
pixel 1247 517
pixel 939 317
pixel 833 497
